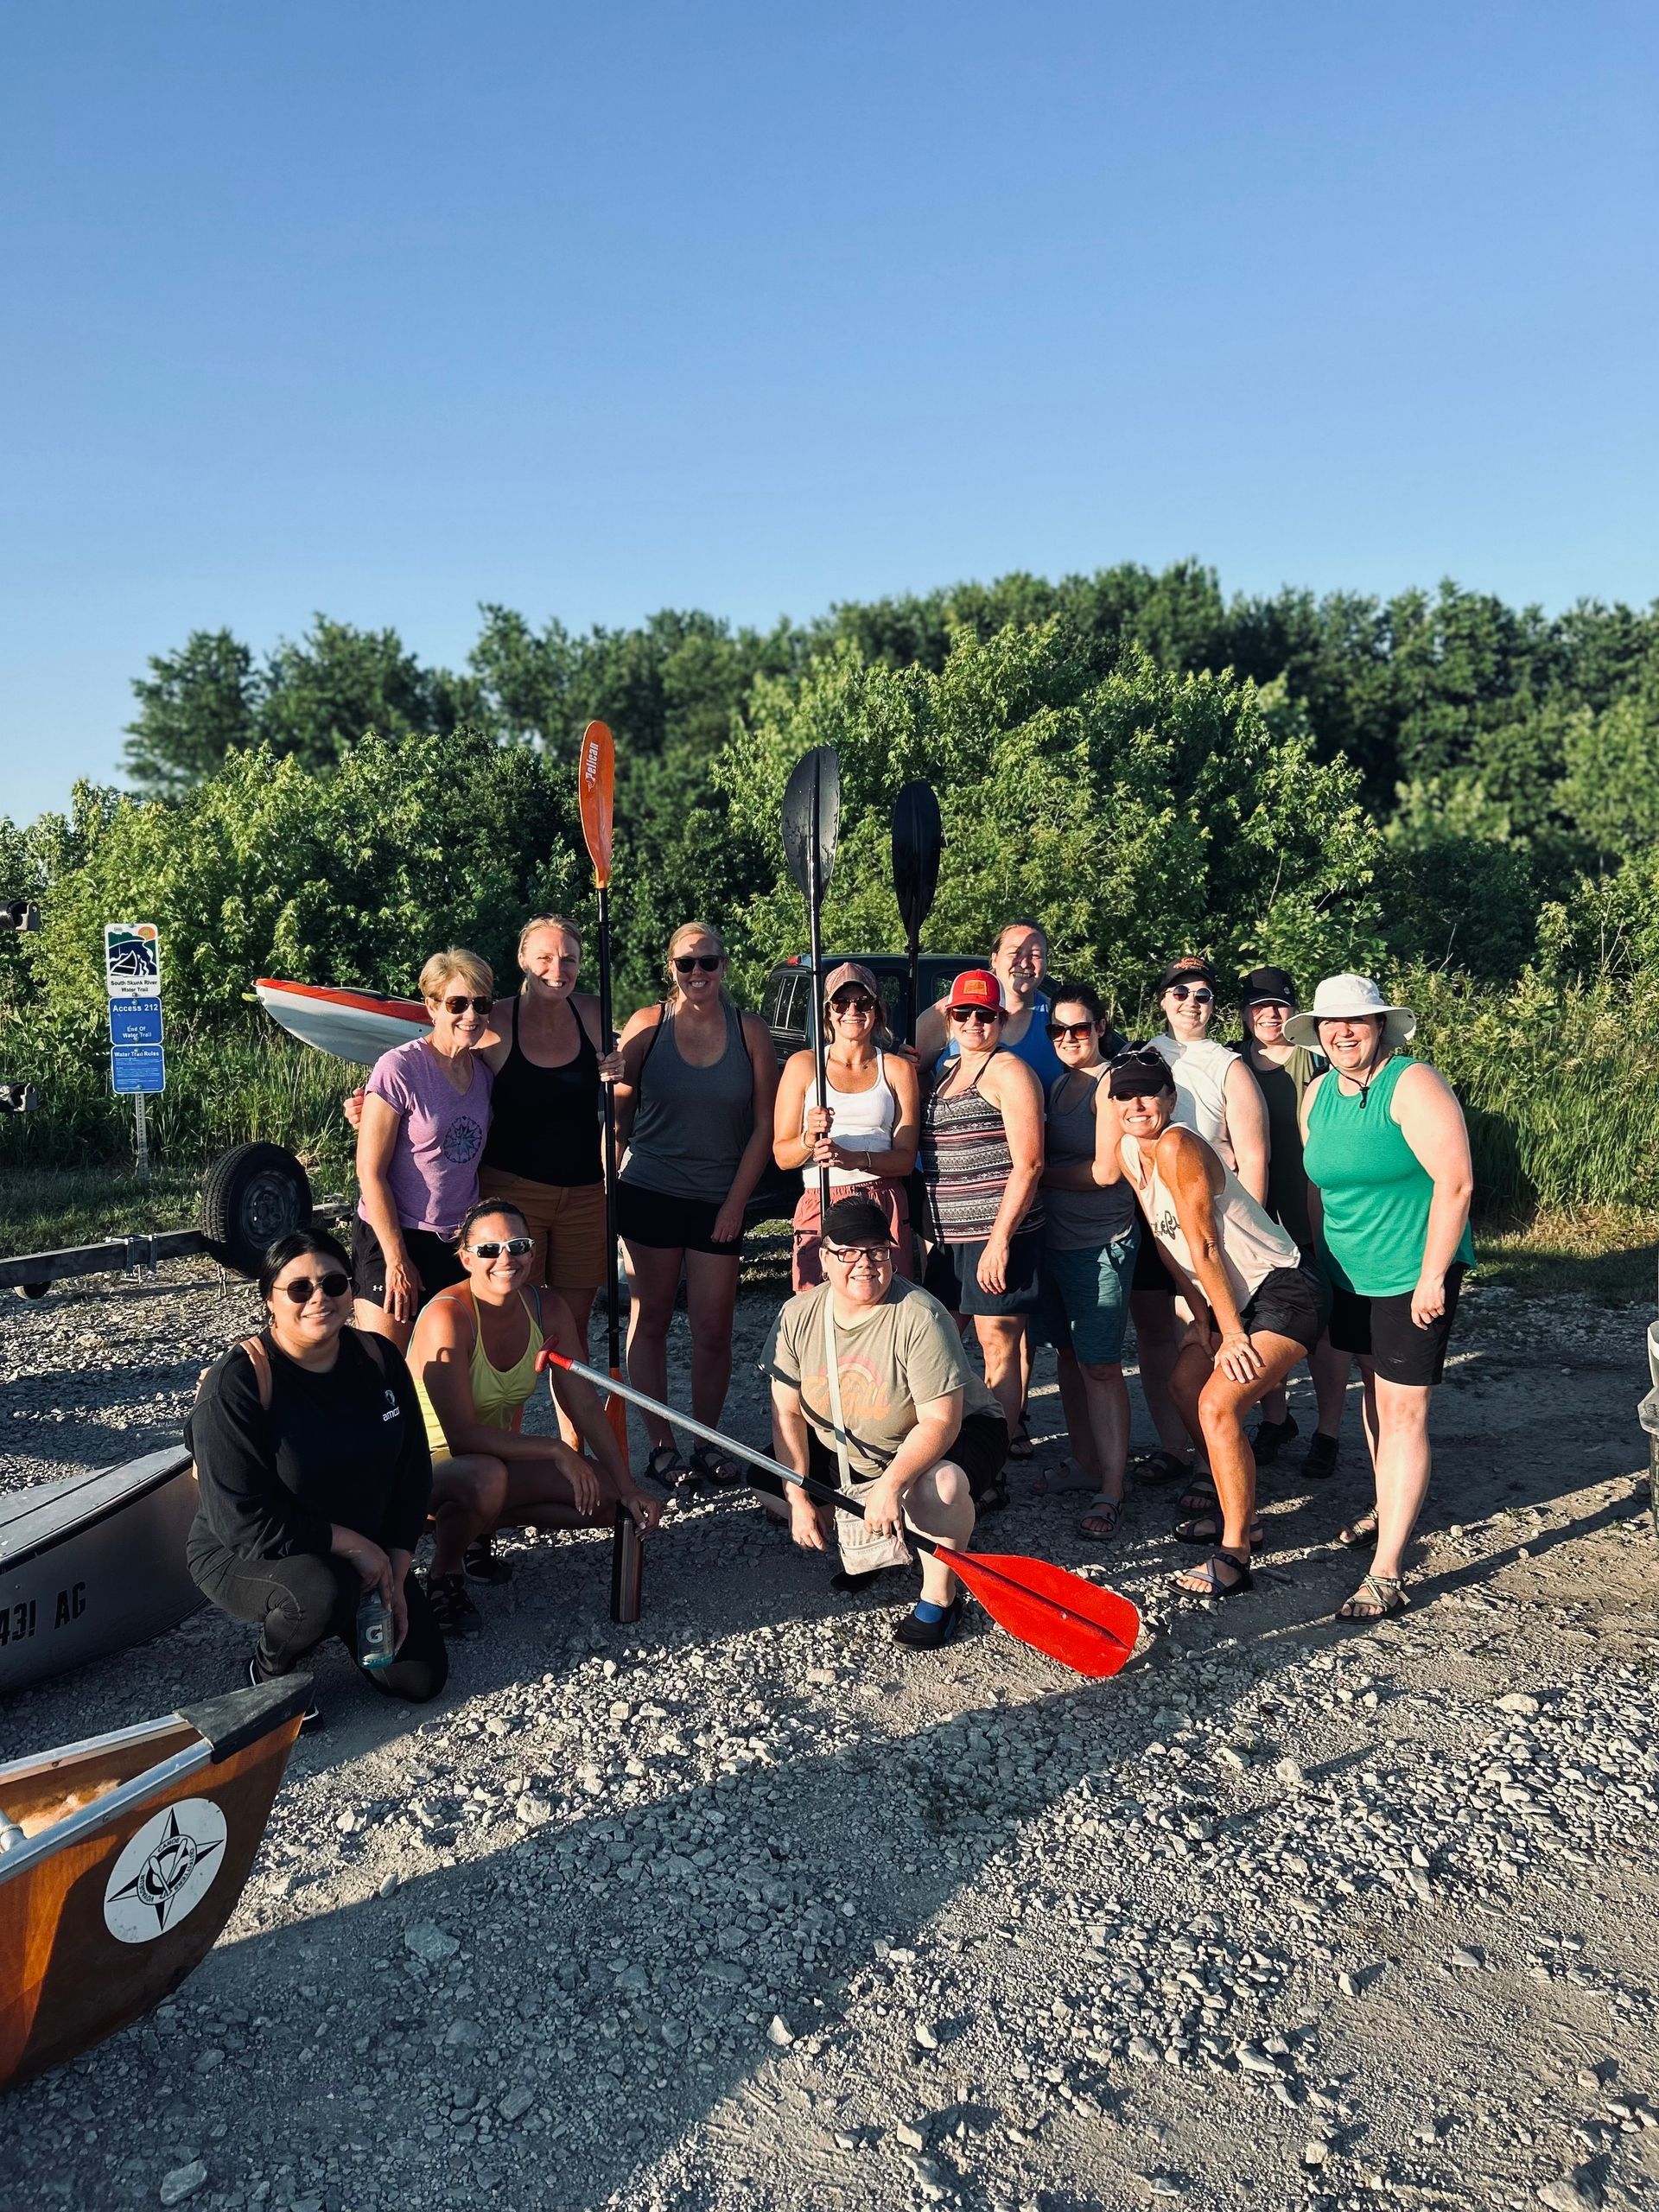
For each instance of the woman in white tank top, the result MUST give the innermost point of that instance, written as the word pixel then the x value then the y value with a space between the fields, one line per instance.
pixel 1216 1093
pixel 1256 1309
pixel 866 1133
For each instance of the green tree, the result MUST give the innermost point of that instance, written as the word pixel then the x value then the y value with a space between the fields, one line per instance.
pixel 1611 791
pixel 194 707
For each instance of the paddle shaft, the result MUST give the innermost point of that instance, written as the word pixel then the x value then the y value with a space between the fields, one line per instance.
pixel 613 1281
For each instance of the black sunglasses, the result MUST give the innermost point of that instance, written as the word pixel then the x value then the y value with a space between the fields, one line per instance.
pixel 460 1005
pixel 334 1285
pixel 976 1013
pixel 1074 1032
pixel 1196 992
pixel 514 1247
pixel 685 961
pixel 853 1002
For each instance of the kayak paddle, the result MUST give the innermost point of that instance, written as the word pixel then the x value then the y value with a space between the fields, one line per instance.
pixel 812 827
pixel 595 792
pixel 917 841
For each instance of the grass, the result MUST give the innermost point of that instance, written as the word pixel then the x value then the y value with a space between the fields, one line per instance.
pixel 44 1209
pixel 1607 1253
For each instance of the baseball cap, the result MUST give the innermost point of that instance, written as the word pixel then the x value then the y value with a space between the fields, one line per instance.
pixel 1185 970
pixel 977 987
pixel 1266 983
pixel 850 972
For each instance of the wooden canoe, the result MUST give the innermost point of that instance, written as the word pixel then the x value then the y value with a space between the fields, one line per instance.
pixel 134 1850
pixel 351 1025
pixel 92 1564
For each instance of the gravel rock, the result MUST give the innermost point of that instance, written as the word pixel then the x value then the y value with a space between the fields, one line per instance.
pixel 183 2182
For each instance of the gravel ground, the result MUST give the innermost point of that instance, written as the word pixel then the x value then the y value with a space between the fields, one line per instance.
pixel 746 1907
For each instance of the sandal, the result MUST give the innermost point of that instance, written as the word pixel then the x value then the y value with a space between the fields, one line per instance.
pixel 992 1496
pixel 1019 1444
pixel 1359 1535
pixel 1206 1528
pixel 457 1618
pixel 1378 1595
pixel 1100 1521
pixel 1319 1460
pixel 478 1562
pixel 1269 1438
pixel 1200 1496
pixel 667 1466
pixel 1158 1467
pixel 708 1465
pixel 1187 1582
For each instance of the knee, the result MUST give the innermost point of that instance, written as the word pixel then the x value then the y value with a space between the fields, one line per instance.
pixel 950 1486
pixel 313 1586
pixel 711 1333
pixel 415 1682
pixel 486 1491
pixel 1218 1408
pixel 1101 1370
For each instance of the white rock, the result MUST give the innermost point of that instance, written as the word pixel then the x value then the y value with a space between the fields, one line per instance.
pixel 388 1884
pixel 183 2182
pixel 779 2032
pixel 1578 2191
pixel 1518 1701
pixel 926 2036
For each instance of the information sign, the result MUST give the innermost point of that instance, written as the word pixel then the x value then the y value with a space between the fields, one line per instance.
pixel 140 1068
pixel 135 1021
pixel 133 959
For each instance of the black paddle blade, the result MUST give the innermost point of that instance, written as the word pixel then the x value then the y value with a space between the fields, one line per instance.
pixel 812 799
pixel 917 841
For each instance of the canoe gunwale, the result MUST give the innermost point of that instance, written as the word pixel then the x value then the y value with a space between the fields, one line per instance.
pixel 117 1739
pixel 80 1826
pixel 170 1465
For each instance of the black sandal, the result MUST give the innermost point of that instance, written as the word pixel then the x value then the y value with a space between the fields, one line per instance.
pixel 1360 1535
pixel 667 1466
pixel 1159 1466
pixel 708 1465
pixel 480 1562
pixel 1378 1595
pixel 1214 1586
pixel 1206 1528
pixel 1200 1496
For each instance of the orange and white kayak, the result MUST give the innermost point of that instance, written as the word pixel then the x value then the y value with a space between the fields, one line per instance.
pixel 355 1026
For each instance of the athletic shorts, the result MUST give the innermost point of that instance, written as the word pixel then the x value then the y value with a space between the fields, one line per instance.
pixel 432 1258
pixel 662 1223
pixel 566 1219
pixel 952 1275
pixel 1382 1331
pixel 980 1450
pixel 1150 1273
pixel 1085 1299
pixel 1293 1302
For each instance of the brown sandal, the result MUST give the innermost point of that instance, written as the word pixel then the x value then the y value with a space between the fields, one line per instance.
pixel 1360 1535
pixel 1378 1595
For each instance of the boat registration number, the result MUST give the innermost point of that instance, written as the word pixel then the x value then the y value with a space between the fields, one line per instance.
pixel 19 1621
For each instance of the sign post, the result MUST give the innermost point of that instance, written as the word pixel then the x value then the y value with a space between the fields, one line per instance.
pixel 132 982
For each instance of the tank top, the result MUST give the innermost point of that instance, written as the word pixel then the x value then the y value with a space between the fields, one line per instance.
pixel 965 1164
pixel 498 1392
pixel 1080 1220
pixel 692 1124
pixel 1281 1090
pixel 1374 1191
pixel 1200 1073
pixel 864 1121
pixel 1252 1246
pixel 1035 1048
pixel 544 1121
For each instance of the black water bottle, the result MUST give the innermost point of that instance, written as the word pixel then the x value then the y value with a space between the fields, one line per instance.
pixel 628 1565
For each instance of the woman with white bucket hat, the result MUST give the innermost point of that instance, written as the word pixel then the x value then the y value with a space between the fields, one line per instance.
pixel 1386 1154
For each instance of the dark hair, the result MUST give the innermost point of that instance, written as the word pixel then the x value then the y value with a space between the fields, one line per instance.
pixel 295 1245
pixel 857 1221
pixel 483 1207
pixel 1083 994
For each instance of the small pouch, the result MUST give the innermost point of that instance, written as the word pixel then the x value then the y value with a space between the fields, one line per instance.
pixel 862 1552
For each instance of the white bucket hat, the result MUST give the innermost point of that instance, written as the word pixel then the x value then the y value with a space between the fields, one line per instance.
pixel 1350 997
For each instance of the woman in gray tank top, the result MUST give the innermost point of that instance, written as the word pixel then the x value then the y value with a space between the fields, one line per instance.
pixel 694 1111
pixel 1091 1235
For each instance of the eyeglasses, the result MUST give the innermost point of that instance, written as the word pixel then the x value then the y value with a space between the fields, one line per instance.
pixel 460 1005
pixel 685 961
pixel 1073 1031
pixel 872 1255
pixel 965 1013
pixel 1196 992
pixel 300 1289
pixel 1270 1006
pixel 853 1002
pixel 514 1247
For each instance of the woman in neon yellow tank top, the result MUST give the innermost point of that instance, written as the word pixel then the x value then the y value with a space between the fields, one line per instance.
pixel 473 1357
pixel 1386 1154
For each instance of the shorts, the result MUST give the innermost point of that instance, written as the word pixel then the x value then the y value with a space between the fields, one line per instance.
pixel 952 1276
pixel 566 1219
pixel 1085 1298
pixel 1382 1331
pixel 1150 1273
pixel 1293 1302
pixel 662 1223
pixel 805 1268
pixel 432 1257
pixel 980 1450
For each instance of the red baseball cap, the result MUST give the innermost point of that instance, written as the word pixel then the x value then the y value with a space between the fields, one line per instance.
pixel 977 987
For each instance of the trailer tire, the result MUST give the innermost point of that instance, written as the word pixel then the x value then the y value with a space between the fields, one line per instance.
pixel 251 1196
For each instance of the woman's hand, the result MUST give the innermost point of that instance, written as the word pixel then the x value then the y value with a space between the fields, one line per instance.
pixel 993 1269
pixel 883 1507
pixel 1428 1301
pixel 584 1485
pixel 613 1066
pixel 403 1293
pixel 819 1121
pixel 1238 1357
pixel 643 1510
pixel 728 1222
pixel 805 1526
pixel 351 1105
pixel 373 1567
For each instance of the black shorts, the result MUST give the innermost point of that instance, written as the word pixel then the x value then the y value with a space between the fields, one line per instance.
pixel 663 1222
pixel 1293 1302
pixel 1382 1331
pixel 1150 1273
pixel 980 1450
pixel 432 1258
pixel 952 1275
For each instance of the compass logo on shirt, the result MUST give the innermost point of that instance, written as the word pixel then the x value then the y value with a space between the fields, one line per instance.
pixel 463 1139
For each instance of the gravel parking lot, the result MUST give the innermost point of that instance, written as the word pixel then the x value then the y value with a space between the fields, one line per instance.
pixel 746 1907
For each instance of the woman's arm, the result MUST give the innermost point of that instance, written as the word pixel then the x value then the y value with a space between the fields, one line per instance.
pixel 377 1140
pixel 246 1503
pixel 937 1424
pixel 1247 1127
pixel 585 1008
pixel 895 1160
pixel 1431 1121
pixel 635 1041
pixel 1192 1174
pixel 1106 1167
pixel 1012 1087
pixel 763 1063
pixel 789 1147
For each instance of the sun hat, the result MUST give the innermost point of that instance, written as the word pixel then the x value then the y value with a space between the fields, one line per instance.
pixel 1350 997
pixel 1266 985
pixel 977 987
pixel 850 972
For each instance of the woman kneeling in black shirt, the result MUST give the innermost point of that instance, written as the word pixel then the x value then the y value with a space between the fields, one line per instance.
pixel 315 1475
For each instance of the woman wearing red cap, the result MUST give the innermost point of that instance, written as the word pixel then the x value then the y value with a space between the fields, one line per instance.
pixel 864 1134
pixel 981 1165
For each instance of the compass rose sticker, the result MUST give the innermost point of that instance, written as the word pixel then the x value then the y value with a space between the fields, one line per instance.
pixel 165 1871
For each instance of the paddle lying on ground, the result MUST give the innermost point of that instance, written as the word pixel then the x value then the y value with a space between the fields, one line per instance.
pixel 917 841
pixel 1089 1629
pixel 812 827
pixel 595 789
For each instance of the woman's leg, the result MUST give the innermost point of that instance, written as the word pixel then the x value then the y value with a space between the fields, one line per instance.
pixel 1000 1338
pixel 422 1666
pixel 1079 1419
pixel 296 1603
pixel 941 1504
pixel 375 1321
pixel 1157 1339
pixel 1106 1396
pixel 655 1274
pixel 1402 1467
pixel 469 1495
pixel 1221 1406
pixel 710 1298
pixel 1330 1369
pixel 542 1493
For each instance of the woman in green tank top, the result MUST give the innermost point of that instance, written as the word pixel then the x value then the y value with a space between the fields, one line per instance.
pixel 1387 1156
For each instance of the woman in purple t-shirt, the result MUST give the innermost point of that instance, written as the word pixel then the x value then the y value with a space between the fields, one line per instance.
pixel 426 1112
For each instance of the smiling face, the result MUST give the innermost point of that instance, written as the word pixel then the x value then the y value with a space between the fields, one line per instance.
pixel 858 1274
pixel 1351 1041
pixel 1148 1115
pixel 1070 1017
pixel 1189 1006
pixel 852 1013
pixel 309 1303
pixel 1020 964
pixel 551 960
pixel 1266 1019
pixel 696 984
pixel 496 1273
pixel 460 1009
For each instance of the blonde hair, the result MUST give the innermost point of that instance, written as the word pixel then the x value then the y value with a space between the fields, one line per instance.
pixel 545 922
pixel 455 960
pixel 687 930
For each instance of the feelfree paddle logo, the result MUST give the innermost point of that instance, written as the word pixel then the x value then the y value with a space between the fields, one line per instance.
pixel 165 1871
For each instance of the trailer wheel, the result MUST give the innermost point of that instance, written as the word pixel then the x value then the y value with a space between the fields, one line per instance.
pixel 251 1196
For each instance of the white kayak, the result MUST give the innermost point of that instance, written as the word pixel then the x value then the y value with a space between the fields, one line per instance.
pixel 351 1025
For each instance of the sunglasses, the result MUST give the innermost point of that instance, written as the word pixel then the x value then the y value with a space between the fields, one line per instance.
pixel 853 1002
pixel 965 1013
pixel 1073 1031
pixel 1196 992
pixel 460 1005
pixel 300 1289
pixel 514 1247
pixel 1270 1006
pixel 850 1255
pixel 685 961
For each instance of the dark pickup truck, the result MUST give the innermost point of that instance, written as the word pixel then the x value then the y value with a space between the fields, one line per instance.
pixel 786 1008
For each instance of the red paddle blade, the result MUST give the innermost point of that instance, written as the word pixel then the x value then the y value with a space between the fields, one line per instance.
pixel 595 790
pixel 1089 1629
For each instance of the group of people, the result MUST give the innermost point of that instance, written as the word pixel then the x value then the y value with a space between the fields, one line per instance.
pixel 1023 1171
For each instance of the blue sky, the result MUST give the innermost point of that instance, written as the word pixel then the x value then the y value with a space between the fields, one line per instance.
pixel 387 310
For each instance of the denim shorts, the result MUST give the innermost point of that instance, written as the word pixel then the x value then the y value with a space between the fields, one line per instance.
pixel 1085 1299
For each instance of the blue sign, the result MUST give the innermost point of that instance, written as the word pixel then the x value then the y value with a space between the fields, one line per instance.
pixel 135 1021
pixel 137 1067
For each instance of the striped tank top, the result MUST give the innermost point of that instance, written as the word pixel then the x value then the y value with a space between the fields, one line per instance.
pixel 965 1164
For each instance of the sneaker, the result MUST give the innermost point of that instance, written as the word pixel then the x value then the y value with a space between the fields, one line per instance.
pixel 1270 1439
pixel 310 1720
pixel 1319 1460
pixel 481 1563
pixel 458 1618
pixel 930 1636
